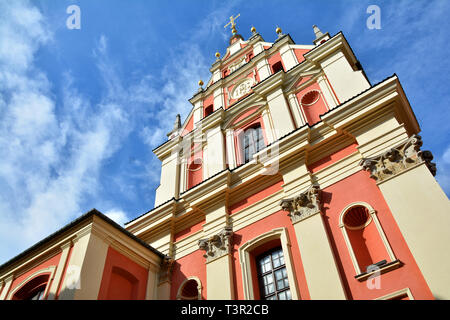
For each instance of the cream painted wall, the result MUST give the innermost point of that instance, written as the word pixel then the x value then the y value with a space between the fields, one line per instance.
pixel 345 82
pixel 321 271
pixel 219 279
pixel 422 212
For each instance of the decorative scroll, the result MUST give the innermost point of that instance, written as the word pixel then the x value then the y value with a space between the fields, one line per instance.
pixel 304 205
pixel 398 159
pixel 216 245
pixel 165 272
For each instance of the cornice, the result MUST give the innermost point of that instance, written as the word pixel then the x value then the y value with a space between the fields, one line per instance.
pixel 337 42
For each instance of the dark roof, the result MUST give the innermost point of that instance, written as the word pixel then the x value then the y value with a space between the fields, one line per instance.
pixel 84 217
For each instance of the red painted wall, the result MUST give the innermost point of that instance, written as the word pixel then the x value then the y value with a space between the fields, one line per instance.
pixel 312 112
pixel 187 266
pixel 53 261
pixel 332 158
pixel 275 220
pixel 299 54
pixel 355 188
pixel 122 279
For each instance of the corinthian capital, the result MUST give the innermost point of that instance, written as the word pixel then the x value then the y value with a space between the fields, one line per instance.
pixel 398 159
pixel 217 245
pixel 304 205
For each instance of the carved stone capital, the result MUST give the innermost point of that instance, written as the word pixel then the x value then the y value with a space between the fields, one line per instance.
pixel 217 245
pixel 398 159
pixel 304 205
pixel 165 272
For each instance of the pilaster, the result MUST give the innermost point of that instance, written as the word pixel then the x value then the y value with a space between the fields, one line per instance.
pixel 420 207
pixel 321 271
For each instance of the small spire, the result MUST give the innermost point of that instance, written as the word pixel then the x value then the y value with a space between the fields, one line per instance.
pixel 320 36
pixel 253 30
pixel 218 55
pixel 317 32
pixel 177 123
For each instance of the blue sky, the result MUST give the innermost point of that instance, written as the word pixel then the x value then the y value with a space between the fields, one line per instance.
pixel 81 110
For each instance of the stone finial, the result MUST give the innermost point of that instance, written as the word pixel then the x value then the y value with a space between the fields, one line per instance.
pixel 176 127
pixel 217 245
pixel 320 36
pixel 304 205
pixel 398 159
pixel 317 32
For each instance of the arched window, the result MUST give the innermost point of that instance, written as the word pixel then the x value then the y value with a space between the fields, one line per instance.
pixel 267 268
pixel 33 289
pixel 365 239
pixel 252 141
pixel 190 289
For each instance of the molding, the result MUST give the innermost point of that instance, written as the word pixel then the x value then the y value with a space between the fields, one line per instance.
pixel 399 293
pixel 50 270
pixel 245 258
pixel 385 268
pixel 381 233
pixel 199 289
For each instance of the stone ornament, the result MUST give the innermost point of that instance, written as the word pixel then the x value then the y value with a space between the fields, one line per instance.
pixel 165 272
pixel 217 245
pixel 304 205
pixel 242 88
pixel 398 159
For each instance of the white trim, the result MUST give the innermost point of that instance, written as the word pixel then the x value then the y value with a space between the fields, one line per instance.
pixel 50 270
pixel 373 217
pixel 199 289
pixel 396 294
pixel 244 259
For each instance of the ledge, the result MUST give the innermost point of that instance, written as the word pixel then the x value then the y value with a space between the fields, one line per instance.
pixel 383 269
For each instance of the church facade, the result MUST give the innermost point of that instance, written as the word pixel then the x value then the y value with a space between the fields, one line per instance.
pixel 292 178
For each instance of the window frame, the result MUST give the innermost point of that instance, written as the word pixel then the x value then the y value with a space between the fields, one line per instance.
pixel 245 258
pixel 374 218
pixel 50 271
pixel 272 271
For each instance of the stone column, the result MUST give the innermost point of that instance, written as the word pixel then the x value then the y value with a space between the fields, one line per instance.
pixel 420 207
pixel 321 272
pixel 219 273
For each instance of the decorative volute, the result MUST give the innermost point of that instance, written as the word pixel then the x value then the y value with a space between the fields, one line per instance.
pixel 304 205
pixel 398 159
pixel 217 245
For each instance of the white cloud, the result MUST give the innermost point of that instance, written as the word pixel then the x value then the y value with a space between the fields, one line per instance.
pixel 117 215
pixel 443 170
pixel 51 155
